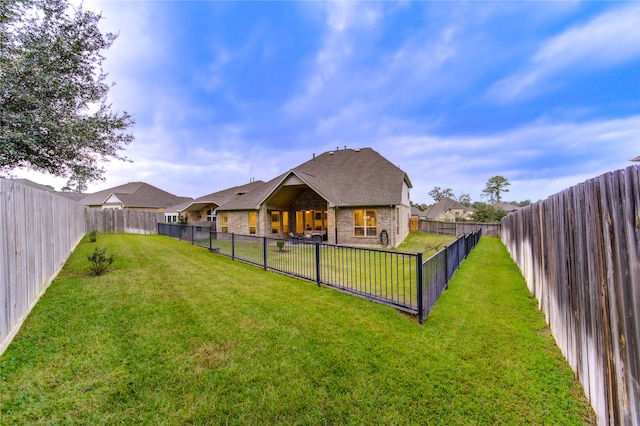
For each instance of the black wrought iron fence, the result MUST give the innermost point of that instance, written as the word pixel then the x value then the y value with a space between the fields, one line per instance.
pixel 400 280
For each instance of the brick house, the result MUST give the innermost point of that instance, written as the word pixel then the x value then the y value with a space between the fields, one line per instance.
pixel 349 196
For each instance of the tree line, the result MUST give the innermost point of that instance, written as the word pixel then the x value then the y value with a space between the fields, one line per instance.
pixel 483 211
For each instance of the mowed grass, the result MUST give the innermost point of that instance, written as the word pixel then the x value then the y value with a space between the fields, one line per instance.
pixel 427 244
pixel 176 335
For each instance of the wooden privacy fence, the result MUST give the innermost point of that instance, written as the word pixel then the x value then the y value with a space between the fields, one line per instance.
pixel 454 228
pixel 38 232
pixel 579 251
pixel 123 221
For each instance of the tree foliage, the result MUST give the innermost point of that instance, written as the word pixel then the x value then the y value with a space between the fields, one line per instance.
pixel 53 112
pixel 484 212
pixel 494 189
pixel 464 199
pixel 438 193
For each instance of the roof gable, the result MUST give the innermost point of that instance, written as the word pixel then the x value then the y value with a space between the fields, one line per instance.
pixel 112 199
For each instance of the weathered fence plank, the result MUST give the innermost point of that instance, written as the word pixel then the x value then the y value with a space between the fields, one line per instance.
pixel 39 231
pixel 579 251
pixel 123 221
pixel 428 226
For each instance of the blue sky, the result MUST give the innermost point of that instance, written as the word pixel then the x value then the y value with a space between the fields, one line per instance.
pixel 546 94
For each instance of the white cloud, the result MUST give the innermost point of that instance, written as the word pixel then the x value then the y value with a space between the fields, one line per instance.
pixel 539 159
pixel 608 40
pixel 348 71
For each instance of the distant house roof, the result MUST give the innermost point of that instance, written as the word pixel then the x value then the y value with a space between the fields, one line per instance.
pixel 507 207
pixel 346 177
pixel 417 212
pixel 636 159
pixel 76 196
pixel 444 205
pixel 134 195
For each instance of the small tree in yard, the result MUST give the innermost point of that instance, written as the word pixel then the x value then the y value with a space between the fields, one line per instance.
pixel 99 261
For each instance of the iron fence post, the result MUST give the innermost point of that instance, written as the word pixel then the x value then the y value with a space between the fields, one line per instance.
pixel 318 264
pixel 446 266
pixel 210 240
pixel 264 252
pixel 193 234
pixel 420 288
pixel 233 246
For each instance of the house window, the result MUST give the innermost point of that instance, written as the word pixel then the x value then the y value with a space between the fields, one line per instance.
pixel 364 223
pixel 171 218
pixel 299 222
pixel 252 222
pixel 224 222
pixel 310 221
pixel 285 222
pixel 211 217
pixel 275 222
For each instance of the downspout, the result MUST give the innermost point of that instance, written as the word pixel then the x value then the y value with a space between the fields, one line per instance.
pixel 335 224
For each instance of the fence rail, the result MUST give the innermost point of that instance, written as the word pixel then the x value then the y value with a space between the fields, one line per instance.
pixel 400 280
pixel 579 251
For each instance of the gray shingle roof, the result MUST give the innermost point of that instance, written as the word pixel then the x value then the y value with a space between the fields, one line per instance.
pixel 443 205
pixel 135 195
pixel 507 207
pixel 417 212
pixel 218 198
pixel 349 177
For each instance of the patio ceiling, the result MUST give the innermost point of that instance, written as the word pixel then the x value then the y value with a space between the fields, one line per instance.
pixel 197 206
pixel 286 195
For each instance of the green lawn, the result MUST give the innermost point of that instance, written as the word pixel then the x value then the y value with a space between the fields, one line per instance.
pixel 427 244
pixel 177 335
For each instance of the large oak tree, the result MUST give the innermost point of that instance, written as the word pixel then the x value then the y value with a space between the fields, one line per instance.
pixel 54 115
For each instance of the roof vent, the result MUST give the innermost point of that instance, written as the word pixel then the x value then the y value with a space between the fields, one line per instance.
pixel 331 152
pixel 357 150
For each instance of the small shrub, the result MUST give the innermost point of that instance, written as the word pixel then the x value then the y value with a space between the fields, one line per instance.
pixel 280 244
pixel 99 261
pixel 93 236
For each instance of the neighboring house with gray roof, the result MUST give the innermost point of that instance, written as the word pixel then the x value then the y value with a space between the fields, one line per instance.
pixel 416 212
pixel 134 195
pixel 346 196
pixel 448 210
pixel 507 207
